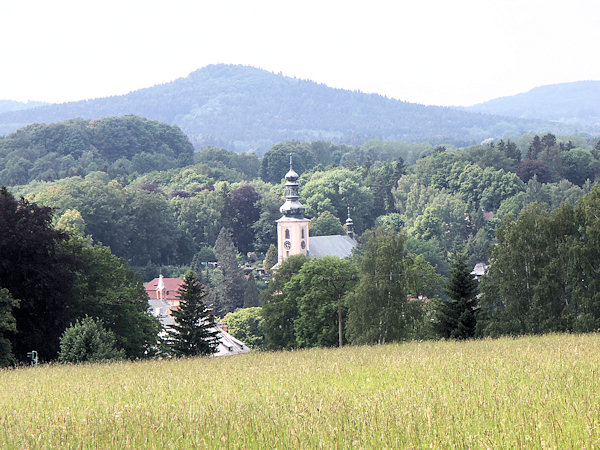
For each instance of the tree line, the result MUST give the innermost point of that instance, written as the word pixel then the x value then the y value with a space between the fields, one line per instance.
pixel 442 201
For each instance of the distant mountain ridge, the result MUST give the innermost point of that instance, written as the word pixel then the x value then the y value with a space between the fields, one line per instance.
pixel 576 103
pixel 12 105
pixel 241 108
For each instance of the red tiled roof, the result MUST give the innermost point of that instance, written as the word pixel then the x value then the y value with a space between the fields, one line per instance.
pixel 171 286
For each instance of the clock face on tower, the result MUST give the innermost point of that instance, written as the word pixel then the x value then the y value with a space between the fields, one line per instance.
pixel 303 245
pixel 287 245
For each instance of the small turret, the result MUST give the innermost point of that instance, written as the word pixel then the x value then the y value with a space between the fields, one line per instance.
pixel 160 288
pixel 349 225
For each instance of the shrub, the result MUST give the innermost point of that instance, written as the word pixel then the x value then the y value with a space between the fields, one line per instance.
pixel 88 341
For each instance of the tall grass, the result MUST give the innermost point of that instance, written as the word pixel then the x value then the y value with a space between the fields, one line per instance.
pixel 533 392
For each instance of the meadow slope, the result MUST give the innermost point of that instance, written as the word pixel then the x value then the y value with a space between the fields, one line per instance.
pixel 533 392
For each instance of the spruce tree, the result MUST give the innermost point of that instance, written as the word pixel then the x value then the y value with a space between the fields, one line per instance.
pixel 251 294
pixel 194 332
pixel 270 258
pixel 456 319
pixel 233 277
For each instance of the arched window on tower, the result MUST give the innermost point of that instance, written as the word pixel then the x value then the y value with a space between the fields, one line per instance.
pixel 302 233
pixel 287 233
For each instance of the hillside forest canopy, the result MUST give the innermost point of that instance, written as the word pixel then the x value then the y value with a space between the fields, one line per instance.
pixel 118 200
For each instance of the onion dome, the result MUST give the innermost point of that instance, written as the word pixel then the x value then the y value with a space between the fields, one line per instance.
pixel 292 207
pixel 349 225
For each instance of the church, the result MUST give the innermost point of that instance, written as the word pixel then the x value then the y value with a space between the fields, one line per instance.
pixel 293 237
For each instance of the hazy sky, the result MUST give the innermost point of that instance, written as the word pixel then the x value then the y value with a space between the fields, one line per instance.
pixel 442 52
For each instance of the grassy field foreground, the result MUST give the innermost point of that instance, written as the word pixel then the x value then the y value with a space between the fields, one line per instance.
pixel 540 392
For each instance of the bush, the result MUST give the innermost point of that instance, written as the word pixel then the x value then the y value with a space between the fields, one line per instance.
pixel 88 341
pixel 247 325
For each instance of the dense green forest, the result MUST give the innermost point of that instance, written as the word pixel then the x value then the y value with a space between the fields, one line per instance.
pixel 115 145
pixel 243 108
pixel 423 214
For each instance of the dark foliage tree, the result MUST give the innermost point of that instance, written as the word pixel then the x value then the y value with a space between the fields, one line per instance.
pixel 529 168
pixel 456 319
pixel 35 269
pixel 194 332
pixel 7 325
pixel 233 277
pixel 245 211
pixel 251 294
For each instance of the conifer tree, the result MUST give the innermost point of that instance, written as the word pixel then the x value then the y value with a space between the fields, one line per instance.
pixel 233 278
pixel 194 332
pixel 251 294
pixel 456 319
pixel 270 258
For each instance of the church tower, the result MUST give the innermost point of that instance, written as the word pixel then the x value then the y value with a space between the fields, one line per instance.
pixel 292 228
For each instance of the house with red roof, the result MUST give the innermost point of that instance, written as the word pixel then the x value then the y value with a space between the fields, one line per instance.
pixel 163 298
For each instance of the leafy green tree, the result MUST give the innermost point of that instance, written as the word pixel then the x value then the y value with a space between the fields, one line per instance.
pixel 326 225
pixel 265 229
pixel 521 292
pixel 378 311
pixel 233 277
pixel 247 325
pixel 586 256
pixel 105 288
pixel 194 332
pixel 279 310
pixel 7 325
pixel 71 222
pixel 391 220
pixel 318 290
pixel 576 165
pixel 276 162
pixel 88 341
pixel 421 278
pixel 456 319
pixel 333 190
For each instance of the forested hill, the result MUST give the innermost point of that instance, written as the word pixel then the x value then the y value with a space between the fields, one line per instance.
pixel 243 108
pixel 573 103
pixel 116 145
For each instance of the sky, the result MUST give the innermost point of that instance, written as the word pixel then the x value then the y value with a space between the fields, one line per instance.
pixel 433 52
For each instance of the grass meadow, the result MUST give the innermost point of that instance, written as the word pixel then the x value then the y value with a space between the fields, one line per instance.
pixel 530 392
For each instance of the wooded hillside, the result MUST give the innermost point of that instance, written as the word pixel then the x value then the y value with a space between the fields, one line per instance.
pixel 242 108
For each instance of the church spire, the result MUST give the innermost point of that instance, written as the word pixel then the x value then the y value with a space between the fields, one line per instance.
pixel 292 207
pixel 349 225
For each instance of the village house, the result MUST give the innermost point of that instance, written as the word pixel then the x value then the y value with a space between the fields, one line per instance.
pixel 163 298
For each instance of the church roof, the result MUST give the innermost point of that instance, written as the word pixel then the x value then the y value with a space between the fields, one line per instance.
pixel 171 286
pixel 335 245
